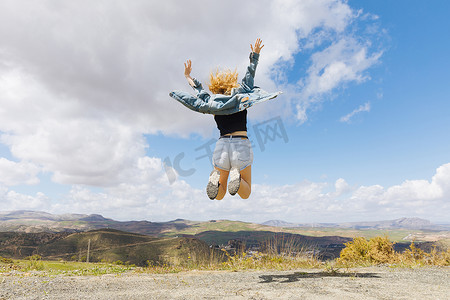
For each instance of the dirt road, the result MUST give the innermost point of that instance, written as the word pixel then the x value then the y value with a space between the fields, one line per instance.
pixel 364 283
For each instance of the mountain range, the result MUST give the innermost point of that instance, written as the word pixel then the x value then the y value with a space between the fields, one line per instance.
pixel 38 221
pixel 402 223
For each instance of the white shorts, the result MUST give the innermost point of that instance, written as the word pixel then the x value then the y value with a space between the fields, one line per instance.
pixel 233 152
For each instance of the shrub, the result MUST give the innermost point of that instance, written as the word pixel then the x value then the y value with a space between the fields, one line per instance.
pixel 6 260
pixel 379 250
pixel 354 251
pixel 35 257
pixel 416 256
pixel 34 263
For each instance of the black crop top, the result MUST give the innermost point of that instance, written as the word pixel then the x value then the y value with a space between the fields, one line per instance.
pixel 231 123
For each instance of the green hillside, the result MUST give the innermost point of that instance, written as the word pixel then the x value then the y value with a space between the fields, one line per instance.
pixel 108 245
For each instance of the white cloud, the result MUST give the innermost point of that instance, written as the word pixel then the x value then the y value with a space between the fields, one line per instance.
pixel 13 173
pixel 12 200
pixel 151 199
pixel 344 61
pixel 341 187
pixel 421 197
pixel 361 108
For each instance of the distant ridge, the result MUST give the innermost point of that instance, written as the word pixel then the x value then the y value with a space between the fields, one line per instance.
pixel 40 215
pixel 279 223
pixel 402 223
pixel 37 221
pixel 94 217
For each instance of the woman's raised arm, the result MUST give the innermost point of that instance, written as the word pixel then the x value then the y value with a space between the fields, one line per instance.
pixel 249 78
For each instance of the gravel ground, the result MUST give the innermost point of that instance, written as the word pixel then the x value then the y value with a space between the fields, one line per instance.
pixel 363 283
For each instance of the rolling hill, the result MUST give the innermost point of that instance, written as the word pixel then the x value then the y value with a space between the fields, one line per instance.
pixel 108 245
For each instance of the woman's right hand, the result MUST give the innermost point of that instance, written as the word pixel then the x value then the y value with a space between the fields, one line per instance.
pixel 187 72
pixel 187 68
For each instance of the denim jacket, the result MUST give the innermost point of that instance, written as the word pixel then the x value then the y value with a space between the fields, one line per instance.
pixel 242 97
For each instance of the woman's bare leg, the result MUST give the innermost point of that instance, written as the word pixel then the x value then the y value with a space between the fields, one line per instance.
pixel 223 183
pixel 246 183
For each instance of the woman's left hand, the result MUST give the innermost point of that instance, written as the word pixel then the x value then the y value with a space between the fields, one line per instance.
pixel 258 46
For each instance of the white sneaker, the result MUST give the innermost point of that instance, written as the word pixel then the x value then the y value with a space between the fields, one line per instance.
pixel 234 182
pixel 212 189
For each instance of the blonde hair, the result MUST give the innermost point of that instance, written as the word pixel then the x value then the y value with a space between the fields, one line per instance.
pixel 222 82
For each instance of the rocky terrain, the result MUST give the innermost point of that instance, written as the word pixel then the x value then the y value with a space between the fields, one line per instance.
pixel 361 283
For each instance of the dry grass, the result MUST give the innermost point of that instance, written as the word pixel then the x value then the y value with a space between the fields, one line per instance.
pixel 264 261
pixel 276 254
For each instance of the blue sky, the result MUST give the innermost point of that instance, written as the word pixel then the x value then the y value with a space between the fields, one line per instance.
pixel 86 125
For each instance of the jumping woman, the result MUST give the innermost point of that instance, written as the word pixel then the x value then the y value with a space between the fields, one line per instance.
pixel 233 155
